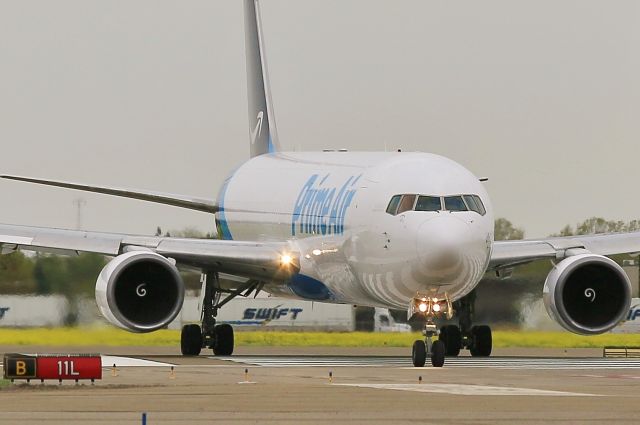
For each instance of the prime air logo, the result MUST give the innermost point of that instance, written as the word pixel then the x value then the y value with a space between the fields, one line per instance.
pixel 3 311
pixel 321 207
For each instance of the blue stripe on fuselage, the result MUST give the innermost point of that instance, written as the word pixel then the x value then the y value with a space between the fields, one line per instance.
pixel 270 146
pixel 222 219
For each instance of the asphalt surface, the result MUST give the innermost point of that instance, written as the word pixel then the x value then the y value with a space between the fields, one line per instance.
pixel 285 385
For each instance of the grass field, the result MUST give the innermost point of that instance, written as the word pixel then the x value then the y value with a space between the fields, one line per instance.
pixel 116 337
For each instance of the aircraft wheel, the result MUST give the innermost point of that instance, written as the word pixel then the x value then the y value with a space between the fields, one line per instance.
pixel 438 350
pixel 419 353
pixel 482 341
pixel 191 340
pixel 224 340
pixel 452 339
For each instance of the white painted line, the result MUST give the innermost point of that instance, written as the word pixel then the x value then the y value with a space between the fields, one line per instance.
pixel 200 366
pixel 109 361
pixel 462 389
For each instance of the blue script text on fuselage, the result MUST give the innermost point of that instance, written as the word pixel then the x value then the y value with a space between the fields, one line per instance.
pixel 321 209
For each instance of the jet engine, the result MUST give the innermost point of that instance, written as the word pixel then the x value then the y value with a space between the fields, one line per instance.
pixel 587 294
pixel 140 291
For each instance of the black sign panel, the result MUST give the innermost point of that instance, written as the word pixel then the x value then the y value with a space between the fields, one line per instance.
pixel 17 366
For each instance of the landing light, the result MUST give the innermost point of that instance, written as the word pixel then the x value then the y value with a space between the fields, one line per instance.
pixel 286 259
pixel 316 252
pixel 431 307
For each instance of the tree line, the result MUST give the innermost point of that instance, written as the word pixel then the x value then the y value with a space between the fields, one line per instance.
pixel 74 277
pixel 505 230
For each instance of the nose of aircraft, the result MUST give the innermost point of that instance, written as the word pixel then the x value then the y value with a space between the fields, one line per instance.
pixel 442 242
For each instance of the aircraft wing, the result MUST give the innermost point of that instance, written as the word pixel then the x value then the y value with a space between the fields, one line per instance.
pixel 189 202
pixel 507 254
pixel 255 260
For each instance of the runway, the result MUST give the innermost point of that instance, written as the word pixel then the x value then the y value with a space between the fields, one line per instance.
pixel 273 386
pixel 404 362
pixel 460 362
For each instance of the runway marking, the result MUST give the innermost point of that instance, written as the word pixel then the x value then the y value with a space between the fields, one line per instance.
pixel 119 361
pixel 109 361
pixel 609 376
pixel 460 362
pixel 462 389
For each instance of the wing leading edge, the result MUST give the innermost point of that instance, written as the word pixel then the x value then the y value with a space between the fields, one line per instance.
pixel 255 260
pixel 508 254
pixel 193 203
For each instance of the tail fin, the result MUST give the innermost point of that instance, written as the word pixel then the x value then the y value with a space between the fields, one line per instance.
pixel 262 124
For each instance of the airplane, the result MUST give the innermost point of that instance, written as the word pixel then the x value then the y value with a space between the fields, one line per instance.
pixel 406 230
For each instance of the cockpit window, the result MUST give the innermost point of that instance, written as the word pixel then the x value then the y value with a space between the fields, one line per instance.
pixel 406 204
pixel 428 203
pixel 393 204
pixel 481 208
pixel 454 203
pixel 471 203
pixel 475 204
pixel 402 203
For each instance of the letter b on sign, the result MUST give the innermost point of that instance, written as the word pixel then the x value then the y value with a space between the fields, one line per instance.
pixel 19 367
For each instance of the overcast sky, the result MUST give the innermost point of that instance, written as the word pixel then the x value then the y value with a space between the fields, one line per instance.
pixel 542 97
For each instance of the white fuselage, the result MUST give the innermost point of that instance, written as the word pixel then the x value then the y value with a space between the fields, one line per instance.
pixel 332 207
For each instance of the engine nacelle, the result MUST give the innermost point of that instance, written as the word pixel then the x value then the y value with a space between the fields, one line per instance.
pixel 140 291
pixel 587 294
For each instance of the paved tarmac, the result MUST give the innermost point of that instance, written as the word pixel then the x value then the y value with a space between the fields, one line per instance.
pixel 292 385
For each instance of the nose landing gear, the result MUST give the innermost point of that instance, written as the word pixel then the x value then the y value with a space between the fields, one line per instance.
pixel 430 307
pixel 428 348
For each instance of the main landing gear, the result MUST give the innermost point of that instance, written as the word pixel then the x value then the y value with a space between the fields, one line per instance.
pixel 211 335
pixel 477 339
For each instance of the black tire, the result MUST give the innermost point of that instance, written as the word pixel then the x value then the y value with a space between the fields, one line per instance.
pixel 438 350
pixel 419 353
pixel 191 340
pixel 482 341
pixel 452 339
pixel 224 340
